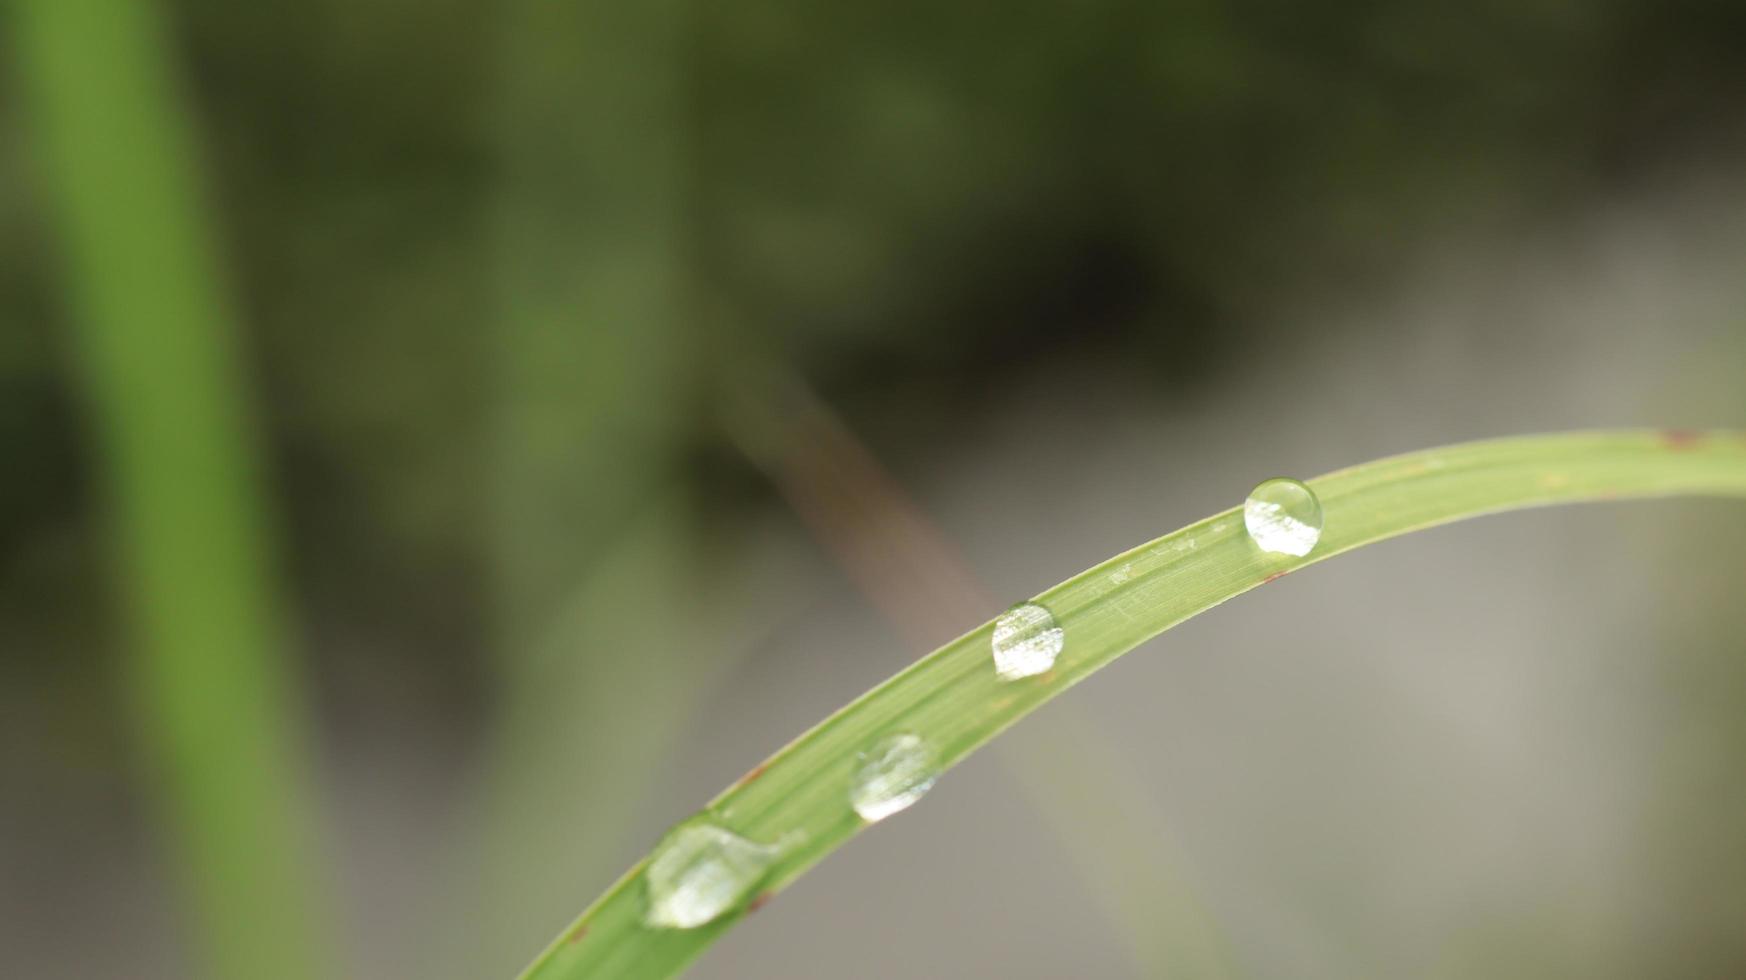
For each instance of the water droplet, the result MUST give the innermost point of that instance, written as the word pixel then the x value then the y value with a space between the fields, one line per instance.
pixel 1284 517
pixel 701 870
pixel 892 774
pixel 1026 641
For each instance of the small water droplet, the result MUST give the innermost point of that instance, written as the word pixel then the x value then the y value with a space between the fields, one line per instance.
pixel 1284 517
pixel 892 774
pixel 1026 641
pixel 701 870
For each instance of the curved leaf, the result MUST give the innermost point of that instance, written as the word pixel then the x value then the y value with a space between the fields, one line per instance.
pixel 953 698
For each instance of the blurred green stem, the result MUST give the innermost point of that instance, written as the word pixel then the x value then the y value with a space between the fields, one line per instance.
pixel 156 344
pixel 590 537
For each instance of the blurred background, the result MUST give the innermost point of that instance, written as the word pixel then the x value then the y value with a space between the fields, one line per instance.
pixel 444 443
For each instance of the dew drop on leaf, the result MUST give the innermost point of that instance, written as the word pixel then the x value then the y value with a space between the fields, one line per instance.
pixel 1026 641
pixel 1284 517
pixel 892 774
pixel 699 871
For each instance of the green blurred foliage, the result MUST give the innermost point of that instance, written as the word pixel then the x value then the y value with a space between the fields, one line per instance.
pixel 904 197
pixel 886 194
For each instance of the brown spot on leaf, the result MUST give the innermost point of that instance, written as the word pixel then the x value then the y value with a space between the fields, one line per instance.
pixel 576 936
pixel 1680 439
pixel 1274 576
pixel 757 771
pixel 762 900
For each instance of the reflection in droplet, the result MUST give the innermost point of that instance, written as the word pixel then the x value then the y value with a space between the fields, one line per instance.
pixel 892 774
pixel 701 870
pixel 1284 517
pixel 1026 641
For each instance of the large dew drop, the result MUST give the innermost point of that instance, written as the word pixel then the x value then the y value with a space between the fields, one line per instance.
pixel 1026 641
pixel 1284 517
pixel 892 774
pixel 701 870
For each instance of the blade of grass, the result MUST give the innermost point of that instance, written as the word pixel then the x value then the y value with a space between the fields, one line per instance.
pixel 952 698
pixel 155 342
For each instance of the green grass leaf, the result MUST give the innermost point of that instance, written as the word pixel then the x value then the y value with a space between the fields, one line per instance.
pixel 799 797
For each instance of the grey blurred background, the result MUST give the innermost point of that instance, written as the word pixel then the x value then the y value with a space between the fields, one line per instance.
pixel 508 276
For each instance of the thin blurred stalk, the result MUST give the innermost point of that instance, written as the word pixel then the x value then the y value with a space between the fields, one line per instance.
pixel 591 531
pixel 156 343
pixel 1075 776
pixel 590 283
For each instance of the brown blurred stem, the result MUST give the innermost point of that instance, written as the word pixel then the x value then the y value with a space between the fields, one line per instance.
pixel 907 567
